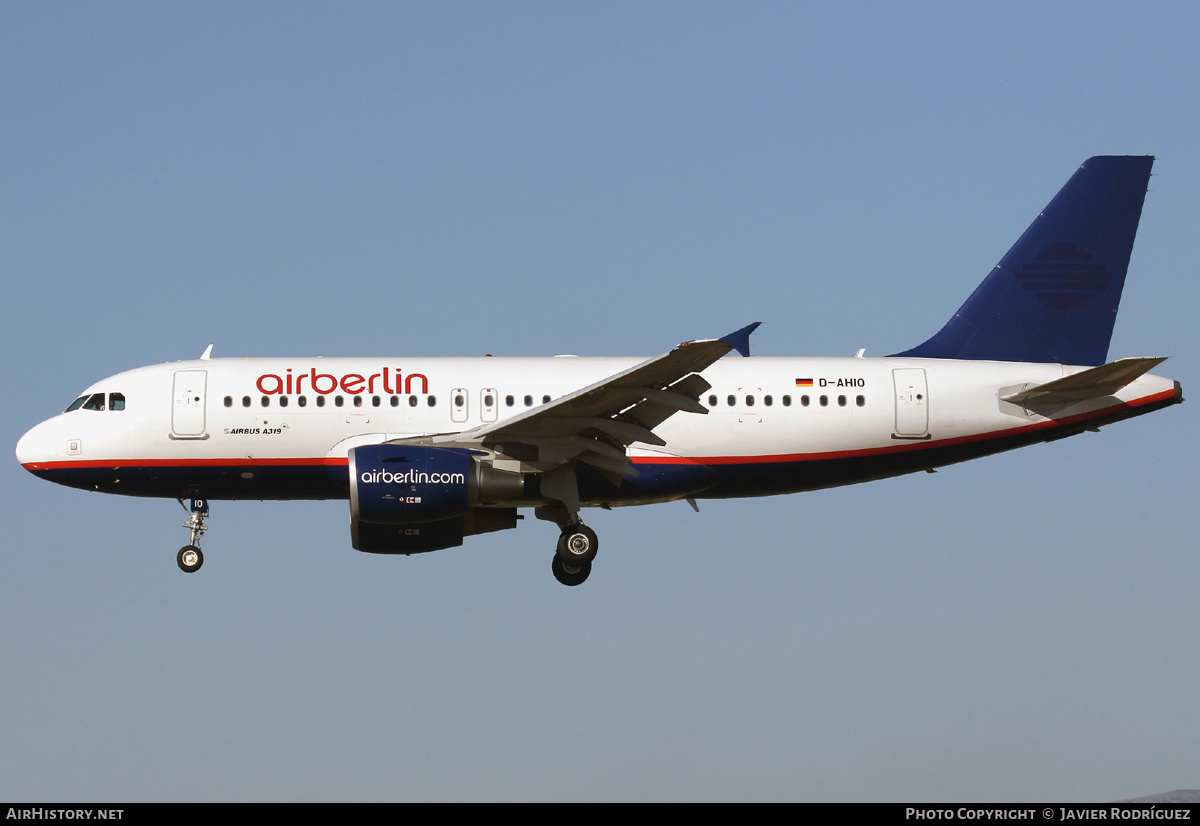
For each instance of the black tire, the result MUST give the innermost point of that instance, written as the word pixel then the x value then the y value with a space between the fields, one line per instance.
pixel 578 544
pixel 189 558
pixel 570 573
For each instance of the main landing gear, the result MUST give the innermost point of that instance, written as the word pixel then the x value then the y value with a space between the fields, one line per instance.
pixel 190 557
pixel 577 542
pixel 573 558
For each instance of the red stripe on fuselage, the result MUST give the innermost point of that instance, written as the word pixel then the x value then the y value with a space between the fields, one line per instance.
pixel 329 461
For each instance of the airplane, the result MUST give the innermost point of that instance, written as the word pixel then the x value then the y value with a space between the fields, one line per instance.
pixel 430 451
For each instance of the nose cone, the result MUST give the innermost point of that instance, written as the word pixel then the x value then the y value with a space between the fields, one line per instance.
pixel 38 447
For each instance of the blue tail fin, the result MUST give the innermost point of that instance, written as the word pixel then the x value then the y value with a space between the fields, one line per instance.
pixel 1054 296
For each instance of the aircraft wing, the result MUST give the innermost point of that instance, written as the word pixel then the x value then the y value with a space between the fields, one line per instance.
pixel 596 423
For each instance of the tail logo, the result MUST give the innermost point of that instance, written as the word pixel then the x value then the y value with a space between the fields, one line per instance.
pixel 1064 276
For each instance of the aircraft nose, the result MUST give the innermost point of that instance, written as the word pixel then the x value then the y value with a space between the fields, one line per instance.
pixel 36 447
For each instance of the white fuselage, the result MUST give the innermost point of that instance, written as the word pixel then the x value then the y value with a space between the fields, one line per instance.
pixel 281 428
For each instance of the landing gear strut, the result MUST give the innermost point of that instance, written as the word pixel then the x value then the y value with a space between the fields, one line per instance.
pixel 577 542
pixel 190 557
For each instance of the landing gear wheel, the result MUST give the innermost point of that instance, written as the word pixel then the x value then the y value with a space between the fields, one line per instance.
pixel 190 559
pixel 570 573
pixel 578 545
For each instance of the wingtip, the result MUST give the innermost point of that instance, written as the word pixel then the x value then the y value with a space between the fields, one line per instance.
pixel 740 339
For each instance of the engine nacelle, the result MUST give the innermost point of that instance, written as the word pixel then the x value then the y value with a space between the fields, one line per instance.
pixel 430 536
pixel 420 485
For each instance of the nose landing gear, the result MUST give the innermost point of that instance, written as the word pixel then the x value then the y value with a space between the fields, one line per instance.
pixel 190 557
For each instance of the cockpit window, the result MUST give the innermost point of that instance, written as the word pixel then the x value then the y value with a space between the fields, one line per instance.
pixel 116 401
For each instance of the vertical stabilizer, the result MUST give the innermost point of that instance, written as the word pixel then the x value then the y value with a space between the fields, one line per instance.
pixel 1054 296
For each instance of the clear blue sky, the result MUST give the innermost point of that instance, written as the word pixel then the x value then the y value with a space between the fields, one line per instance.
pixel 601 179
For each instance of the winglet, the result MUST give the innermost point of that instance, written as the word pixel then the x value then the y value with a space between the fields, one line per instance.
pixel 740 339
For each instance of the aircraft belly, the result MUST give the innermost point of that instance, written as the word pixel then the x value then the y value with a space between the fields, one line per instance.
pixel 657 481
pixel 210 480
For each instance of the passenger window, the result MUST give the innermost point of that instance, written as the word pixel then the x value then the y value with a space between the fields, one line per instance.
pixel 787 401
pixel 432 401
pixel 229 401
pixel 731 400
pixel 412 401
pixel 338 401
pixel 301 400
pixel 841 401
pixel 488 400
pixel 374 401
pixel 458 400
pixel 395 401
pixel 545 400
pixel 824 401
pixel 804 401
pixel 767 400
pixel 358 401
pixel 509 401
pixel 712 401
pixel 529 401
pixel 283 401
pixel 320 401
pixel 266 400
pixel 860 401
pixel 749 401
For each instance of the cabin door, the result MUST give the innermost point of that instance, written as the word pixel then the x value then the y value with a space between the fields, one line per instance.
pixel 187 409
pixel 912 403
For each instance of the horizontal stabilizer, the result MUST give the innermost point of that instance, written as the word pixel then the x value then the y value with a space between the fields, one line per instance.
pixel 1104 380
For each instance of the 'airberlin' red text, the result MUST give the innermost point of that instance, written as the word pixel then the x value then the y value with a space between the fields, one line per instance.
pixel 324 383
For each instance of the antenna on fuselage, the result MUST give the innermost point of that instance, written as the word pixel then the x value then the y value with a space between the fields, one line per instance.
pixel 207 354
